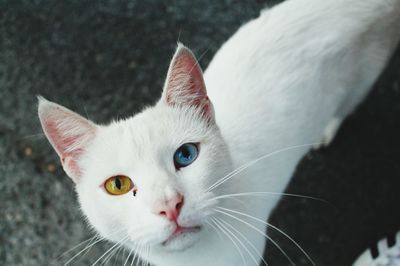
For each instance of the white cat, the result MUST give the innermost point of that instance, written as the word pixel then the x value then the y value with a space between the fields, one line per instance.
pixel 284 80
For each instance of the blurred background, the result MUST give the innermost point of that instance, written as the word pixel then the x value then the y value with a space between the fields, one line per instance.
pixel 107 60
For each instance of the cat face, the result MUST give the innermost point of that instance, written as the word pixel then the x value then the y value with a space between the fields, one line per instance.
pixel 143 149
pixel 144 180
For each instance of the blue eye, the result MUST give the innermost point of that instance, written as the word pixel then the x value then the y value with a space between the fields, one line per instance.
pixel 185 155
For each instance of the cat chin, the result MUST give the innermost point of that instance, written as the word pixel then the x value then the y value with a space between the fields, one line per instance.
pixel 182 241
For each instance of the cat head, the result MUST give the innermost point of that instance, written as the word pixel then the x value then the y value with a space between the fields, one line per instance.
pixel 145 179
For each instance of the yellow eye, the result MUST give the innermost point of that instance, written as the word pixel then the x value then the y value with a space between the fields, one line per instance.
pixel 118 185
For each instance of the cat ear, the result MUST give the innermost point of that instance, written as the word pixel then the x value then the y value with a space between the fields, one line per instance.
pixel 185 85
pixel 68 133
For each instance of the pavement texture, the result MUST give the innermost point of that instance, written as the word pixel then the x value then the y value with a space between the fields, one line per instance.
pixel 108 59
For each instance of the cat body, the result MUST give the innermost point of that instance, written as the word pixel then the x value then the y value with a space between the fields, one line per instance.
pixel 280 84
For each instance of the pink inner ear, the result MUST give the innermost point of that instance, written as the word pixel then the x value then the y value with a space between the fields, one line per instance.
pixel 185 84
pixel 62 143
pixel 185 79
pixel 68 133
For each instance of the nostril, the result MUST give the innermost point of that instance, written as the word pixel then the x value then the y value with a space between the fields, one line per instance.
pixel 170 209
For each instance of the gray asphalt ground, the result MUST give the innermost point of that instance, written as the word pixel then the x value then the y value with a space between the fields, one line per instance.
pixel 108 59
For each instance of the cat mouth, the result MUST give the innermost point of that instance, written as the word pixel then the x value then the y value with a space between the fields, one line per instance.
pixel 179 232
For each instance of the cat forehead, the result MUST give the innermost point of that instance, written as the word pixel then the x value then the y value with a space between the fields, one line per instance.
pixel 157 126
pixel 160 122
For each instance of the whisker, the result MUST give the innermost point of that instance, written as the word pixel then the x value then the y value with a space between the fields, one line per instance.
pixel 120 243
pixel 39 135
pixel 223 179
pixel 88 250
pixel 273 227
pixel 136 255
pixel 108 257
pixel 73 248
pixel 123 253
pixel 86 112
pixel 267 193
pixel 116 252
pixel 230 238
pixel 110 249
pixel 89 246
pixel 215 229
pixel 148 256
pixel 80 252
pixel 144 255
pixel 141 251
pixel 240 242
pixel 129 254
pixel 259 231
pixel 246 239
pixel 116 256
pixel 199 58
pixel 247 165
pixel 179 35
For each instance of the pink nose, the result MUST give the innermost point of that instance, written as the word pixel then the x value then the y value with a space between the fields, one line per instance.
pixel 170 209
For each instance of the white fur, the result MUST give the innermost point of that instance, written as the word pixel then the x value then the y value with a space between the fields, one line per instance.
pixel 278 82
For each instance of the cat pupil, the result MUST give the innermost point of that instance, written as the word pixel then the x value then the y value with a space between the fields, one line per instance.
pixel 185 152
pixel 117 183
